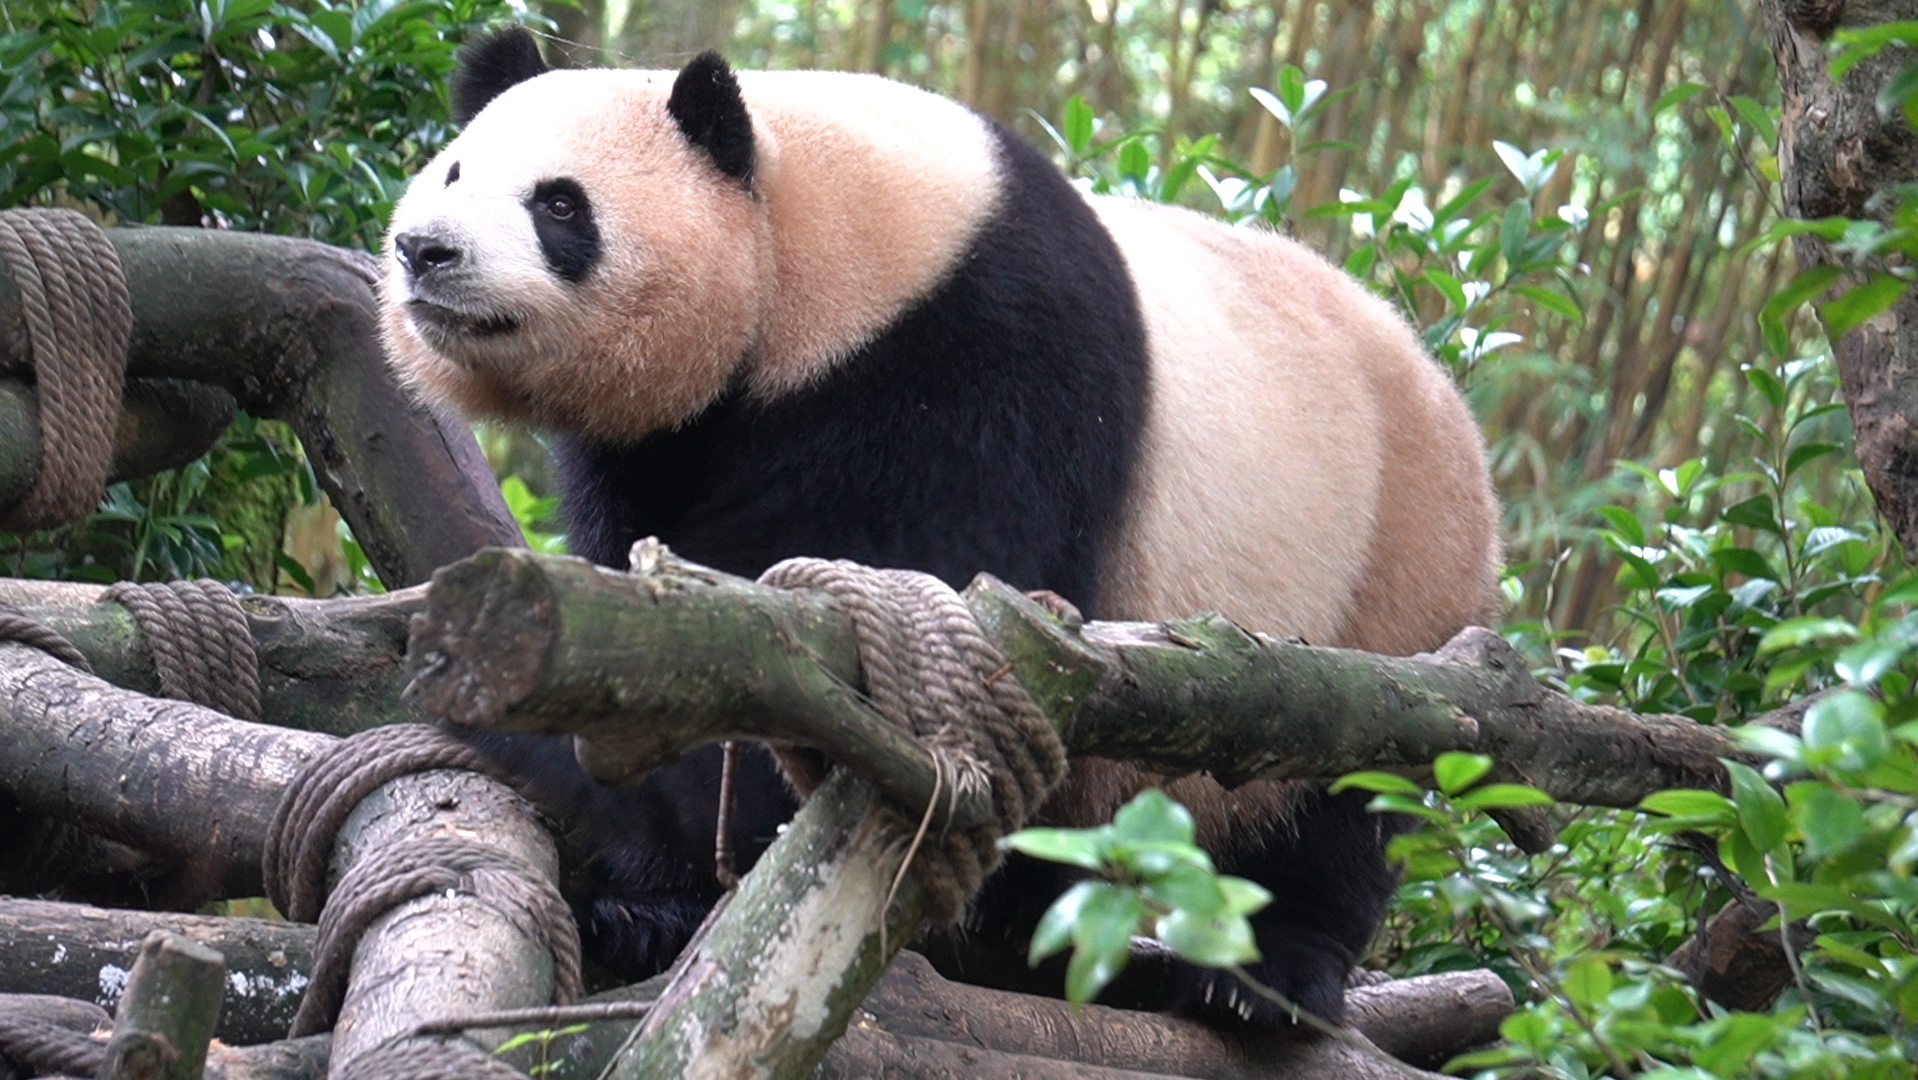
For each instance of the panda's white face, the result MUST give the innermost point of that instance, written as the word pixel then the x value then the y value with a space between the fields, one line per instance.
pixel 571 262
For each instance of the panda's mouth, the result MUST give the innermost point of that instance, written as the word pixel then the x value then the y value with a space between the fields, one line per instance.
pixel 451 322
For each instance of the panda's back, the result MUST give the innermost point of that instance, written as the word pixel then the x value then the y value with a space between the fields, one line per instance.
pixel 1306 468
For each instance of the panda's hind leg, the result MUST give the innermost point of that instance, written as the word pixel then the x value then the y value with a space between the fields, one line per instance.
pixel 1330 885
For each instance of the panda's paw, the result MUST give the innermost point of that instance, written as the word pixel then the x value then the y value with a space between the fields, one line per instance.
pixel 1306 981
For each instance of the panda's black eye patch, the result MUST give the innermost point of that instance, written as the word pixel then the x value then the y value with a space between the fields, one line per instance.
pixel 452 174
pixel 563 220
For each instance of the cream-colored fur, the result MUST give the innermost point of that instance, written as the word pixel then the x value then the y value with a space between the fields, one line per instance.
pixel 1308 471
pixel 866 192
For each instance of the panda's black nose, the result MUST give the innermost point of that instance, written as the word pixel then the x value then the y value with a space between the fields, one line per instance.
pixel 424 255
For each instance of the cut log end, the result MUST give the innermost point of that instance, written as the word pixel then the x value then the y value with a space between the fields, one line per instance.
pixel 468 662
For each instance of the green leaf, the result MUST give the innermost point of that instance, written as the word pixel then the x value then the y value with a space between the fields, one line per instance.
pixel 1055 926
pixel 1207 941
pixel 1381 782
pixel 1753 513
pixel 1846 729
pixel 1683 92
pixel 1766 384
pixel 1761 810
pixel 1076 126
pixel 1775 316
pixel 1513 230
pixel 1243 897
pixel 1744 561
pixel 1085 848
pixel 1503 797
pixel 1758 117
pixel 1688 803
pixel 1806 630
pixel 1860 302
pixel 1805 453
pixel 1152 815
pixel 1588 980
pixel 1101 938
pixel 1448 285
pixel 1455 770
pixel 1553 301
pixel 1831 821
pixel 1625 523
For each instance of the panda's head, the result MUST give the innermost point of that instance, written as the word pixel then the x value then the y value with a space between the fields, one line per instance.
pixel 588 255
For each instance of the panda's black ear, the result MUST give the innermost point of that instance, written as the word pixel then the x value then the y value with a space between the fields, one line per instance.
pixel 491 64
pixel 706 105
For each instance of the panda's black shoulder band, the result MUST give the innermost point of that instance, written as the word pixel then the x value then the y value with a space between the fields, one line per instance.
pixel 707 106
pixel 491 64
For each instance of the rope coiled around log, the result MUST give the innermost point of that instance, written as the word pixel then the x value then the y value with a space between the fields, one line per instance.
pixel 300 842
pixel 930 669
pixel 79 316
pixel 47 1048
pixel 201 644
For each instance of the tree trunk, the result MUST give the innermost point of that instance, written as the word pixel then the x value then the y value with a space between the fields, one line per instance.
pixel 1835 153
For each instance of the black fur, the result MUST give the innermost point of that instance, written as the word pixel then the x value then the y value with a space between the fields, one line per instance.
pixel 563 220
pixel 706 105
pixel 491 64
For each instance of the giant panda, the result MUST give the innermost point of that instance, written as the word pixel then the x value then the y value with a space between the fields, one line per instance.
pixel 768 314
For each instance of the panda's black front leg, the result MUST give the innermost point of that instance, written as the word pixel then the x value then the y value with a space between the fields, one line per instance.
pixel 1330 885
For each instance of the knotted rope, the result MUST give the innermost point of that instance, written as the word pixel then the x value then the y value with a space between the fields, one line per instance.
pixel 201 644
pixel 47 1048
pixel 73 294
pixel 300 840
pixel 929 669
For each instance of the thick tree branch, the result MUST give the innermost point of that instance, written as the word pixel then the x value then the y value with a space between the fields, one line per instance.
pixel 290 328
pixel 642 667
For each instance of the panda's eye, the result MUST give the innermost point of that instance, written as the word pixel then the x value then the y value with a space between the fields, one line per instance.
pixel 560 207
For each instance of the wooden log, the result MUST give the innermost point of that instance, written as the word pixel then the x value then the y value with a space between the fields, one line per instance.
pixel 190 786
pixel 84 952
pixel 166 1018
pixel 163 424
pixel 642 667
pixel 199 788
pixel 443 954
pixel 772 980
pixel 1423 1021
pixel 334 666
pixel 291 329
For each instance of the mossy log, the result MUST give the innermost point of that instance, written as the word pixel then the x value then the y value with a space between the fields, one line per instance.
pixel 641 667
pixel 333 666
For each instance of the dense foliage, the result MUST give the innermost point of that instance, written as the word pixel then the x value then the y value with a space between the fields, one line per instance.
pixel 1573 202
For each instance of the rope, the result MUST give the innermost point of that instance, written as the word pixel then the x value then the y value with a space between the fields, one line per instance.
pixel 73 295
pixel 418 1058
pixel 929 669
pixel 300 841
pixel 17 625
pixel 45 1047
pixel 202 647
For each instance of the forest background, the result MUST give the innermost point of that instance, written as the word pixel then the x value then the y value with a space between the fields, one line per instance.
pixel 1577 204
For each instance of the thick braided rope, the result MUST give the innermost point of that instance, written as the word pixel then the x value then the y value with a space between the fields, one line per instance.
pixel 201 644
pixel 427 1058
pixel 73 293
pixel 299 844
pixel 385 879
pixel 46 1047
pixel 929 669
pixel 17 625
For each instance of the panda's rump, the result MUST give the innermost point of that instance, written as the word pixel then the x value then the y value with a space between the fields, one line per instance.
pixel 1260 471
